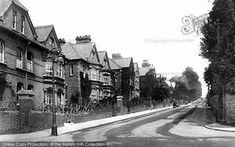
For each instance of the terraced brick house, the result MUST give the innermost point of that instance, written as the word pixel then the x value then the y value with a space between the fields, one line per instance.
pixel 47 36
pixel 21 54
pixel 82 60
pixel 124 76
pixel 106 76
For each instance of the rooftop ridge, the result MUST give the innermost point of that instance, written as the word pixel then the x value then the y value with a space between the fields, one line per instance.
pixel 123 58
pixel 51 25
pixel 75 50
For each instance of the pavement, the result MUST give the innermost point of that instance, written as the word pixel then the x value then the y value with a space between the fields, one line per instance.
pixel 197 126
pixel 220 127
pixel 76 126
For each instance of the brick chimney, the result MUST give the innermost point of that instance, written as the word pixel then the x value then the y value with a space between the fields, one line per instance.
pixel 145 63
pixel 116 56
pixel 61 41
pixel 83 39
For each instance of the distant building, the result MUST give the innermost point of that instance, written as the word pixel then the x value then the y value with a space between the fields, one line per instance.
pixel 83 60
pixel 145 69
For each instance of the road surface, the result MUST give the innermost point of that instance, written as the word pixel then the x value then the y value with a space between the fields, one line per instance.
pixel 145 131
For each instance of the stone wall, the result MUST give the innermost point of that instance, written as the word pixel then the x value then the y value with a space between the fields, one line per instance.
pixel 230 108
pixel 43 120
pixel 214 101
pixel 10 123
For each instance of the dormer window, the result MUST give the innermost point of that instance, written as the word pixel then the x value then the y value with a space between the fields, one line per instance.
pixel 22 29
pixel 14 20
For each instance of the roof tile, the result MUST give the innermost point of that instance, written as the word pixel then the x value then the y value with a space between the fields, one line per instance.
pixel 43 32
pixel 123 62
pixel 5 4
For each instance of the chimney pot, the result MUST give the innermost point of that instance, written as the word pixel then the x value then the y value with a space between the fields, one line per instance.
pixel 83 39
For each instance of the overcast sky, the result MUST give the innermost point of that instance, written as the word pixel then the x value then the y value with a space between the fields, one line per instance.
pixel 142 29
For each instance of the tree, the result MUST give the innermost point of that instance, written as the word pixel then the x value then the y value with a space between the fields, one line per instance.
pixel 217 45
pixel 161 90
pixel 85 88
pixel 187 86
pixel 151 80
pixel 75 97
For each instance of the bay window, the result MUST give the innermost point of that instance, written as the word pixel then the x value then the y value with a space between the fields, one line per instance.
pixel 48 67
pixel 94 74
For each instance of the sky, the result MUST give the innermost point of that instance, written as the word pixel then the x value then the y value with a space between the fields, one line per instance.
pixel 142 29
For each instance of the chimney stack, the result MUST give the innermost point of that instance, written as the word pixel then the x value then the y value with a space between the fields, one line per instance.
pixel 83 39
pixel 61 41
pixel 116 56
pixel 145 63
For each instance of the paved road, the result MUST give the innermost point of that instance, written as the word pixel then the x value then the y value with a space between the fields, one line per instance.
pixel 145 131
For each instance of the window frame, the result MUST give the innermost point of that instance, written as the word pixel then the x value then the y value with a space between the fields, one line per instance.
pixel 93 74
pixel 2 51
pixel 14 19
pixel 48 69
pixel 71 71
pixel 22 27
pixel 60 70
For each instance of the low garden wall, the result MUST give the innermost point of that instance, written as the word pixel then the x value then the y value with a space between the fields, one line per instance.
pixel 9 121
pixel 38 120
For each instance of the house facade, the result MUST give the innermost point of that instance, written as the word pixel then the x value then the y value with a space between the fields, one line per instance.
pixel 23 57
pixel 82 61
pixel 47 36
pixel 124 76
pixel 21 61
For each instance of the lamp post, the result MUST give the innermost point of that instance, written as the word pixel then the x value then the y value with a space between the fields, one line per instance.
pixel 54 55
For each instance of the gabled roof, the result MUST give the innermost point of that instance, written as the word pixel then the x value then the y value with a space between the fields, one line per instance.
pixel 84 49
pixel 70 52
pixel 144 70
pixel 43 32
pixel 78 51
pixel 5 4
pixel 102 54
pixel 123 62
pixel 113 64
